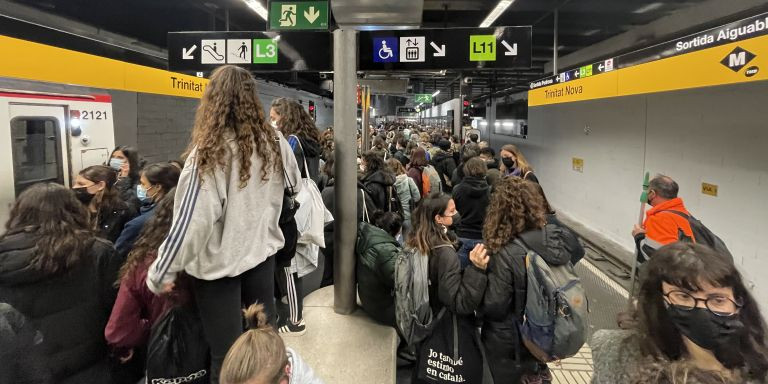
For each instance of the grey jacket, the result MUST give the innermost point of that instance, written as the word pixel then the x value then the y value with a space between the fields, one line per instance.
pixel 301 372
pixel 409 195
pixel 220 230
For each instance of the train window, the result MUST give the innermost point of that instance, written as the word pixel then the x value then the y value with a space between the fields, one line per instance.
pixel 36 151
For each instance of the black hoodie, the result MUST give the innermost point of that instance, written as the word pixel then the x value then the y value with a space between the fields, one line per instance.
pixel 312 152
pixel 471 196
pixel 506 267
pixel 377 184
pixel 445 166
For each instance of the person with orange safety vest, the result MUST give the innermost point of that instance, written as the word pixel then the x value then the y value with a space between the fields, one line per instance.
pixel 661 225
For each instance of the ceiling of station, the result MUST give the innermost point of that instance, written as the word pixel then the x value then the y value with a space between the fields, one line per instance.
pixel 581 24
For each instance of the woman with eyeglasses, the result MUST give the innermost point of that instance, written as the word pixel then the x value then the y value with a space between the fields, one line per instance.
pixel 697 323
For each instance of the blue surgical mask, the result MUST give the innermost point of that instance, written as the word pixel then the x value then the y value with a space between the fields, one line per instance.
pixel 116 163
pixel 141 193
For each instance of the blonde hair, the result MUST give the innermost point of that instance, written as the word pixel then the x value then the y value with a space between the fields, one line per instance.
pixel 522 163
pixel 258 354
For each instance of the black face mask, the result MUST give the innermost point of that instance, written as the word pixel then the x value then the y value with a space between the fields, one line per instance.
pixel 704 328
pixel 508 162
pixel 456 219
pixel 82 194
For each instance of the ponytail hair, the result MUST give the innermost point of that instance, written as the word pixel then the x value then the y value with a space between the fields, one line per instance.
pixel 258 354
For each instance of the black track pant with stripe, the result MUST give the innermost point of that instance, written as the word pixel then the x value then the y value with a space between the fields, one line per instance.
pixel 220 303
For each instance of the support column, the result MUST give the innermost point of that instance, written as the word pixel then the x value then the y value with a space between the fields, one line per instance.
pixel 345 140
pixel 555 43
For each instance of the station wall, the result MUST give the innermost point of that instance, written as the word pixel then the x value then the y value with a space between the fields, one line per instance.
pixel 714 135
pixel 159 125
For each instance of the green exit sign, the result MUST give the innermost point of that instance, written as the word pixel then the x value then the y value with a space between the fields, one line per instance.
pixel 425 98
pixel 294 15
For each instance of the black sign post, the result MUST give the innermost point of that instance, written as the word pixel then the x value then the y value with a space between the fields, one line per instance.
pixel 454 48
pixel 193 52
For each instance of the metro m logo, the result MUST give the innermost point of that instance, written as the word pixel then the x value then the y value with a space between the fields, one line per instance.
pixel 737 59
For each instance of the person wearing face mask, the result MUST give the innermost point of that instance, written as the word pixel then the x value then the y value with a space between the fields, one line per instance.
pixel 697 323
pixel 459 292
pixel 155 181
pixel 376 251
pixel 661 226
pixel 109 213
pixel 125 161
pixel 513 163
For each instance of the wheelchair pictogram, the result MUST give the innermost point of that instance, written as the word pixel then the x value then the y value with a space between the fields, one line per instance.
pixel 385 52
pixel 384 49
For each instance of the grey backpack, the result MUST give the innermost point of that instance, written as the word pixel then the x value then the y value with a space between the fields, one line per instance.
pixel 413 315
pixel 554 324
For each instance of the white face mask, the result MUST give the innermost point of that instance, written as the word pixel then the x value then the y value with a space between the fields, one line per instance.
pixel 273 123
pixel 362 168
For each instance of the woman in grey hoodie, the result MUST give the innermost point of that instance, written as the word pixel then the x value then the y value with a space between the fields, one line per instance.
pixel 228 201
pixel 407 192
pixel 260 356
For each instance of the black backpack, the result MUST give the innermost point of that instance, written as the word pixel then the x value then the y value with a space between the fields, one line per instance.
pixel 393 202
pixel 702 234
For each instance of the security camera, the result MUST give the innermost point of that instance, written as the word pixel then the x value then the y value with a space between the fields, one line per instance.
pixel 468 80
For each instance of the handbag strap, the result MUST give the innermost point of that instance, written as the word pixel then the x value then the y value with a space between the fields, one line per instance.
pixel 287 180
pixel 455 338
pixel 303 155
pixel 366 217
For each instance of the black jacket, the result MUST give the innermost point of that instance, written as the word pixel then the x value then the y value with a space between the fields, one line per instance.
pixel 20 350
pixel 378 184
pixel 112 221
pixel 126 188
pixel 70 309
pixel 401 157
pixel 461 292
pixel 472 197
pixel 500 326
pixel 329 199
pixel 312 153
pixel 445 166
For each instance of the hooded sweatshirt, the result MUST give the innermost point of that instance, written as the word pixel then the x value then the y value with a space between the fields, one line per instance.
pixel 506 267
pixel 472 197
pixel 378 184
pixel 409 195
pixel 309 150
pixel 220 230
pixel 445 165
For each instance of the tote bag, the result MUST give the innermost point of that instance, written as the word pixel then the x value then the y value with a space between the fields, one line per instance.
pixel 451 354
pixel 312 215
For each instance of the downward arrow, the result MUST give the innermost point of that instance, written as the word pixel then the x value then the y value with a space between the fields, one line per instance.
pixel 439 51
pixel 511 49
pixel 187 54
pixel 311 14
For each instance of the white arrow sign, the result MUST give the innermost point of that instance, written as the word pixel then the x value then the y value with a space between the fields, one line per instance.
pixel 511 49
pixel 311 14
pixel 600 67
pixel 439 51
pixel 187 54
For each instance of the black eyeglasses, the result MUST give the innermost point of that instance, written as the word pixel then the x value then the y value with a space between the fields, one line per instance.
pixel 719 305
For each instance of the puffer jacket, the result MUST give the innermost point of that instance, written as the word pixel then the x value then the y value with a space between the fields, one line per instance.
pixel 472 197
pixel 377 184
pixel 461 292
pixel 445 165
pixel 69 309
pixel 126 188
pixel 500 333
pixel 409 196
pixel 20 355
pixel 376 252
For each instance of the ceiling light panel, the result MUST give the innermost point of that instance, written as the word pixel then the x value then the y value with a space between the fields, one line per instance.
pixel 496 12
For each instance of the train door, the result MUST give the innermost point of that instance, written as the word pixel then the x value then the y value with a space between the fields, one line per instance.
pixel 39 146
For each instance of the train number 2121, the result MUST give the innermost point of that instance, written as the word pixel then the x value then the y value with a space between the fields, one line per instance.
pixel 93 115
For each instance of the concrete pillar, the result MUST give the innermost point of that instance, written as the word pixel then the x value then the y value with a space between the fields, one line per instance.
pixel 345 139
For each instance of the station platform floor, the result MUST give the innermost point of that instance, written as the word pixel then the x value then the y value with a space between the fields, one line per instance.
pixel 354 349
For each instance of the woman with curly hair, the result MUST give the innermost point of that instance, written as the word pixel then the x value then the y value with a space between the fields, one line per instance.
pixel 59 275
pixel 697 323
pixel 137 309
pixel 290 118
pixel 227 207
pixel 516 211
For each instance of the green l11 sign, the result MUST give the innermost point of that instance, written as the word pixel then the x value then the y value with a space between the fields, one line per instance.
pixel 425 98
pixel 295 15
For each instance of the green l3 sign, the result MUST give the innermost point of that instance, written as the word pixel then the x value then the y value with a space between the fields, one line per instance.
pixel 293 15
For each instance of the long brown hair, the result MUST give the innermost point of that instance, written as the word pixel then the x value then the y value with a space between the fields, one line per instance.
pixel 687 265
pixel 109 198
pixel 514 209
pixel 151 237
pixel 230 109
pixel 426 233
pixel 258 354
pixel 53 213
pixel 294 120
pixel 522 162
